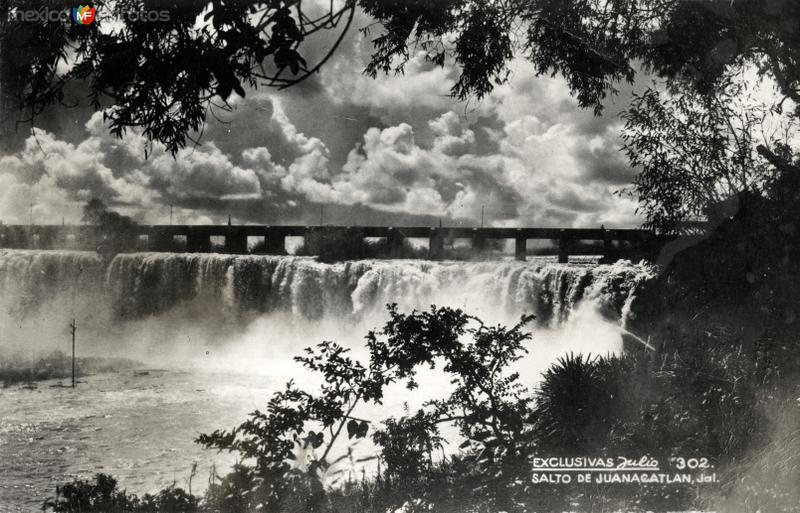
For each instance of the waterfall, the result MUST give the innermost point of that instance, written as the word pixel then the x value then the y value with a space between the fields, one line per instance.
pixel 140 285
pixel 34 271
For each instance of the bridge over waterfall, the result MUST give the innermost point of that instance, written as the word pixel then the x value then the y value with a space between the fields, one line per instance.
pixel 237 238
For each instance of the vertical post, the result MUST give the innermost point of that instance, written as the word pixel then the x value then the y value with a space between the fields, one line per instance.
pixel 170 215
pixel 73 327
pixel 563 250
pixel 394 240
pixel 520 248
pixel 31 239
pixel 478 241
pixel 607 247
pixel 436 244
pixel 482 207
pixel 198 241
pixel 276 242
pixel 236 241
pixel 160 239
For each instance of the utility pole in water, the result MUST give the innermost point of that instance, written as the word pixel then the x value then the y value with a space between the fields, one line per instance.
pixel 72 328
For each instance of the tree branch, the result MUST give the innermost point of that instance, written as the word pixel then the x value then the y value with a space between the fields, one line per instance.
pixel 779 163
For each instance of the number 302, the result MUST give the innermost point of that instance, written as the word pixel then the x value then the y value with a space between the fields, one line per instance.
pixel 691 463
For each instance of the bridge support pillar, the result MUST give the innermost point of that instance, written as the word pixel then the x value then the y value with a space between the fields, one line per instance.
pixel 478 241
pixel 60 238
pixel 21 237
pixel 198 242
pixel 160 240
pixel 563 250
pixel 48 237
pixel 311 241
pixel 608 247
pixel 436 244
pixel 275 242
pixel 520 248
pixel 395 242
pixel 235 242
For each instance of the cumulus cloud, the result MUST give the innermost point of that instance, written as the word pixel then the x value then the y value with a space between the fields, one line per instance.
pixel 541 174
pixel 60 176
pixel 422 88
pixel 395 148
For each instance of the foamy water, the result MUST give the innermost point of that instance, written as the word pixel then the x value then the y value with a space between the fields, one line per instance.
pixel 137 426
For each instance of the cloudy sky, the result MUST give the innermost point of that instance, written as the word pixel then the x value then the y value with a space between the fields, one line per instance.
pixel 396 150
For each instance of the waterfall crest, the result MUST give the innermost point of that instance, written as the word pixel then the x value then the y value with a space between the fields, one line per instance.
pixel 139 285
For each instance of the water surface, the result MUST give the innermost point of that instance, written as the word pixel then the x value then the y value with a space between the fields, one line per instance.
pixel 138 426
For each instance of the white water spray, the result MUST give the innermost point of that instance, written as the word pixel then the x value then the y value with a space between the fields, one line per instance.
pixel 232 301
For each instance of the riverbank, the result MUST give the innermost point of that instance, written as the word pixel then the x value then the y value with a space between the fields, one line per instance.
pixel 19 370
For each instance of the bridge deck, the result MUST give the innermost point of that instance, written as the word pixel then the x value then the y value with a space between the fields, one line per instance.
pixel 198 237
pixel 408 231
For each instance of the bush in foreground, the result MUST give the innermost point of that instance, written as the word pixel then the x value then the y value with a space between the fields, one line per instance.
pixel 102 496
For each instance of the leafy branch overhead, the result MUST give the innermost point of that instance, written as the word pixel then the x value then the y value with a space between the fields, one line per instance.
pixel 165 77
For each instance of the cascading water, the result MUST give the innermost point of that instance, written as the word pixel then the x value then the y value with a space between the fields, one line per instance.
pixel 232 286
pixel 210 297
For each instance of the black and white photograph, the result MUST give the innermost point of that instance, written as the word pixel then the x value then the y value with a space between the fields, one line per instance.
pixel 400 256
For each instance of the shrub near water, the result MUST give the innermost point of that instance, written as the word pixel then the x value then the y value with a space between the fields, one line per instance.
pixel 487 406
pixel 103 496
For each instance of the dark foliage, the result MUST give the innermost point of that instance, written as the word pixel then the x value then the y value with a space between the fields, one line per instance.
pixel 160 73
pixel 165 75
pixel 731 301
pixel 696 154
pixel 103 496
pixel 487 405
pixel 112 232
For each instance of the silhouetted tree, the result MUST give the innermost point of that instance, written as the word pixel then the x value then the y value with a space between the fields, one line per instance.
pixel 696 154
pixel 112 231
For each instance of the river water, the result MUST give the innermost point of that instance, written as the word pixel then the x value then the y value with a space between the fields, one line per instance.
pixel 138 426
